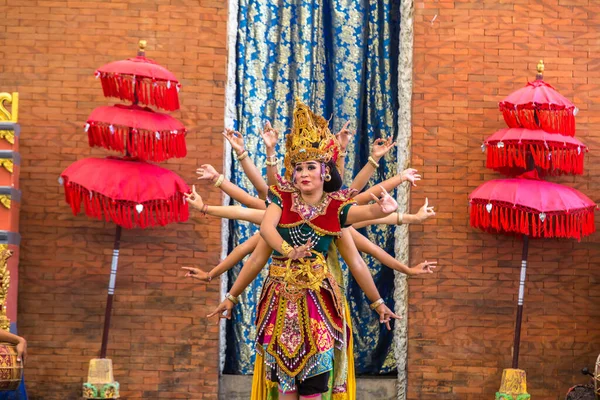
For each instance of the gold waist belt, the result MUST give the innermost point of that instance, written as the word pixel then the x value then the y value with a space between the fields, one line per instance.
pixel 305 273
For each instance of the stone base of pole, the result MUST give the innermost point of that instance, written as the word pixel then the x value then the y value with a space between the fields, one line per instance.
pixel 101 382
pixel 513 386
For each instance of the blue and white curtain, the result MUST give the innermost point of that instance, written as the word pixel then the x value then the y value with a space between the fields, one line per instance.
pixel 340 57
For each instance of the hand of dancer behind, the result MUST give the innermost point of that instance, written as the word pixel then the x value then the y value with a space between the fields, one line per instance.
pixel 196 273
pixel 426 267
pixel 207 172
pixel 410 174
pixel 344 135
pixel 223 310
pixel 22 351
pixel 386 315
pixel 194 199
pixel 235 139
pixel 301 251
pixel 269 135
pixel 425 212
pixel 386 202
pixel 381 147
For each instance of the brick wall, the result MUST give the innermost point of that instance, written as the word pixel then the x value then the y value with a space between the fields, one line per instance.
pixel 160 342
pixel 468 56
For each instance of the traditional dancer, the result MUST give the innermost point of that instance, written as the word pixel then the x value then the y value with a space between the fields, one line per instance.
pixel 300 318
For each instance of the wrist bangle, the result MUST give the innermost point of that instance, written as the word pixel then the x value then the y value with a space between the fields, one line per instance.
pixel 286 248
pixel 272 163
pixel 343 153
pixel 273 157
pixel 204 210
pixel 243 155
pixel 400 217
pixel 219 180
pixel 232 298
pixel 374 163
pixel 208 277
pixel 376 304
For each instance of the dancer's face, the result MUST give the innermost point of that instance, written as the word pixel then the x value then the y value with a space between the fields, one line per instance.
pixel 307 176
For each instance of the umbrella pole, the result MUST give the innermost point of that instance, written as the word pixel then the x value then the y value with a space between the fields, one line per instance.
pixel 515 363
pixel 111 291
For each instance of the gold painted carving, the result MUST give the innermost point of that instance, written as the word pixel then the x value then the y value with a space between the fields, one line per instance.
pixel 8 164
pixel 5 200
pixel 5 254
pixel 7 99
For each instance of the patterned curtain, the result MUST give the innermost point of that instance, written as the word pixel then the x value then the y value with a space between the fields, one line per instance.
pixel 340 57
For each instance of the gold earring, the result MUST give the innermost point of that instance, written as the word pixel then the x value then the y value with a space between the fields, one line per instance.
pixel 327 177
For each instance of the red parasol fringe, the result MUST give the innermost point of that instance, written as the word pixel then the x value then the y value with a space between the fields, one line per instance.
pixel 508 219
pixel 143 144
pixel 161 94
pixel 125 214
pixel 551 120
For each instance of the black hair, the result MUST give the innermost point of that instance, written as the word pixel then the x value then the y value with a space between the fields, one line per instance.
pixel 335 183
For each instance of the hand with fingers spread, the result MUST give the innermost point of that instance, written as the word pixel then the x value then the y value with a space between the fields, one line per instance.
pixel 425 211
pixel 386 202
pixel 410 174
pixel 426 267
pixel 207 172
pixel 270 136
pixel 385 315
pixel 301 251
pixel 344 135
pixel 194 199
pixel 223 310
pixel 236 140
pixel 381 147
pixel 196 273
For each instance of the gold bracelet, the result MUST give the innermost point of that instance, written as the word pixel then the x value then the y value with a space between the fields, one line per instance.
pixel 286 248
pixel 343 153
pixel 232 298
pixel 374 163
pixel 220 180
pixel 272 163
pixel 376 304
pixel 400 217
pixel 243 155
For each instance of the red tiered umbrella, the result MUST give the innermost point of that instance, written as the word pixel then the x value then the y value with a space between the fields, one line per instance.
pixel 125 191
pixel 539 106
pixel 137 131
pixel 552 153
pixel 140 79
pixel 128 191
pixel 526 205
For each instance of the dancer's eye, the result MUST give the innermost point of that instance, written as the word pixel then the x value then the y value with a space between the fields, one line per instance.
pixel 311 167
pixel 298 169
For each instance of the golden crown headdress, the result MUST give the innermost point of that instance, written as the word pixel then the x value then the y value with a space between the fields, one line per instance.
pixel 309 140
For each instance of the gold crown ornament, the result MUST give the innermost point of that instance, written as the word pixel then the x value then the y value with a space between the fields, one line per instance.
pixel 309 140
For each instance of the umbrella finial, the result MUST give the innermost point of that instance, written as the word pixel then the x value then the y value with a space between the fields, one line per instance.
pixel 540 71
pixel 142 48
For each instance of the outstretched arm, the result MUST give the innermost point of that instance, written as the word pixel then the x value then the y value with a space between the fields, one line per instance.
pixel 229 212
pixel 409 174
pixel 363 277
pixel 207 172
pixel 237 255
pixel 366 246
pixel 399 218
pixel 343 137
pixel 249 272
pixel 237 143
pixel 380 148
pixel 270 136
pixel 381 208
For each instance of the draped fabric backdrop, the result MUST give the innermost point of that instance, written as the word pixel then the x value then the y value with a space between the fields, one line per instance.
pixel 340 57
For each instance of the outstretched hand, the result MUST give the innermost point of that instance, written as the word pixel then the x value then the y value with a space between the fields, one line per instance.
pixel 426 267
pixel 381 147
pixel 194 199
pixel 236 140
pixel 207 172
pixel 386 202
pixel 196 273
pixel 344 135
pixel 223 310
pixel 269 135
pixel 410 174
pixel 386 315
pixel 425 211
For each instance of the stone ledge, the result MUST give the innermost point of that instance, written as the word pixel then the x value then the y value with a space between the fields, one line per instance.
pixel 238 387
